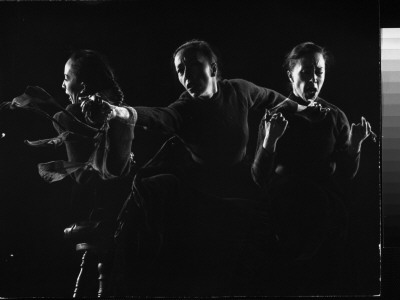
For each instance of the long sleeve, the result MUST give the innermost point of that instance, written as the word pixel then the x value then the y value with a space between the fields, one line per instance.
pixel 260 98
pixel 167 120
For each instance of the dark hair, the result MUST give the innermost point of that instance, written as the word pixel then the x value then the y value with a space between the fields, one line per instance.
pixel 303 50
pixel 204 48
pixel 94 70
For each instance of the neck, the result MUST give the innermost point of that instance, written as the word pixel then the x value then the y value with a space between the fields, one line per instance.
pixel 211 90
pixel 300 100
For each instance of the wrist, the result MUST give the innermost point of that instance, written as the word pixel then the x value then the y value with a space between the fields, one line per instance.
pixel 269 145
pixel 354 148
pixel 113 113
pixel 118 112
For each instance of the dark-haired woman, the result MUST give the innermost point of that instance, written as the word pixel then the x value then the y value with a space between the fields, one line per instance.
pixel 299 156
pixel 98 103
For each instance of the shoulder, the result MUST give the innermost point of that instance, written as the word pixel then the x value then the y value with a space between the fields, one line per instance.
pixel 286 107
pixel 238 83
pixel 242 87
pixel 64 119
pixel 75 109
pixel 182 105
pixel 183 100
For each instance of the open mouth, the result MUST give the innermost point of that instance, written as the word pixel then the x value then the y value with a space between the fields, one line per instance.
pixel 311 92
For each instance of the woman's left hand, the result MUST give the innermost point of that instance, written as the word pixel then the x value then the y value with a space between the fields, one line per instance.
pixel 275 127
pixel 358 133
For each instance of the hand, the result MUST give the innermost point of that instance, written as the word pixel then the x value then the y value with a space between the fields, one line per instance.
pixel 32 97
pixel 275 127
pixel 314 112
pixel 96 111
pixel 358 133
pixel 37 92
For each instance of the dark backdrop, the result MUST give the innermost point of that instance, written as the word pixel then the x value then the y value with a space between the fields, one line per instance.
pixel 139 38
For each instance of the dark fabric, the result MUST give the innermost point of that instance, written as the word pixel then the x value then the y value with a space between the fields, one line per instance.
pixel 204 230
pixel 308 210
pixel 197 244
pixel 190 241
pixel 90 190
pixel 310 147
pixel 215 130
pixel 113 153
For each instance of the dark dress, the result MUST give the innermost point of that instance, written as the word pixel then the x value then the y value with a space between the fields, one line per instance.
pixel 102 183
pixel 302 182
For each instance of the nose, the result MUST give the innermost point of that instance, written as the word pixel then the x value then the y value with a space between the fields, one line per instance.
pixel 186 75
pixel 314 77
pixel 186 78
pixel 63 85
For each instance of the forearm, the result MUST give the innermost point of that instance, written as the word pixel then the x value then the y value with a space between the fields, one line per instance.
pixel 262 167
pixel 162 119
pixel 269 144
pixel 347 163
pixel 354 148
pixel 120 112
pixel 348 160
pixel 120 138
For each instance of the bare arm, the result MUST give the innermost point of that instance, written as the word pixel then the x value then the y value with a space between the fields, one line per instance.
pixel 271 130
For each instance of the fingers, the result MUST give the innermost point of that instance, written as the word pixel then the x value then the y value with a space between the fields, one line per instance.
pixel 279 119
pixel 85 105
pixel 363 122
pixel 277 116
pixel 267 116
pixel 285 124
pixel 363 130
pixel 96 110
pixel 319 107
pixel 275 127
pixel 368 128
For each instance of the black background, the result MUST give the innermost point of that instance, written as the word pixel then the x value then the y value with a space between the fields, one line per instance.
pixel 139 38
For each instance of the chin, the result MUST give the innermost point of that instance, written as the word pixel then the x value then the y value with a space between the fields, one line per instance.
pixel 71 99
pixel 194 95
pixel 313 98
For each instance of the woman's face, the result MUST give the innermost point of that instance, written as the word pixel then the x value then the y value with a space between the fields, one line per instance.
pixel 195 73
pixel 71 84
pixel 308 76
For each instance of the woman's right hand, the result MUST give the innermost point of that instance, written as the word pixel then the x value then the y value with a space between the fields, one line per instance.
pixel 96 111
pixel 275 127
